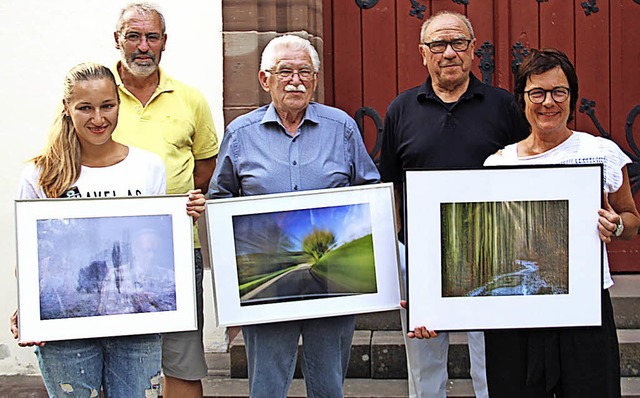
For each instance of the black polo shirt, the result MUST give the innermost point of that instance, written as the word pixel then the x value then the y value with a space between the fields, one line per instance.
pixel 423 132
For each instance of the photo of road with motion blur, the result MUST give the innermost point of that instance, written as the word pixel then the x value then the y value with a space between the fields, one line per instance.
pixel 304 254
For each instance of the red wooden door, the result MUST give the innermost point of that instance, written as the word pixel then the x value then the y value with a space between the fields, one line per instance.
pixel 371 55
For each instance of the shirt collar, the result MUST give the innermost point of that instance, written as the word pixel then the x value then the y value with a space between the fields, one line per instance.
pixel 271 116
pixel 475 88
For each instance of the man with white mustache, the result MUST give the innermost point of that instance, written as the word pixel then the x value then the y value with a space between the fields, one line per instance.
pixel 293 145
pixel 165 116
pixel 452 120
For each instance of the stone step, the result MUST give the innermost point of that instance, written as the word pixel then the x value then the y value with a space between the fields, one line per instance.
pixel 218 385
pixel 381 355
pixel 625 295
pixel 362 388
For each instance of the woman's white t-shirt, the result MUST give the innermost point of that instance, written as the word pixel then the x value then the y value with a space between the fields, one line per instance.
pixel 141 173
pixel 579 148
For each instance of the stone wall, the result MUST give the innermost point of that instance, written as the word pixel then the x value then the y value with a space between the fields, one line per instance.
pixel 248 25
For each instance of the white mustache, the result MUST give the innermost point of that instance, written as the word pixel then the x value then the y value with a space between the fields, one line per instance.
pixel 293 87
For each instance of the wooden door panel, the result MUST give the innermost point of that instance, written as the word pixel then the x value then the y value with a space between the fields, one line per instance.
pixel 380 81
pixel 374 56
pixel 625 99
pixel 558 27
pixel 592 64
pixel 327 55
pixel 481 17
pixel 441 5
pixel 625 63
pixel 347 55
pixel 410 70
pixel 524 32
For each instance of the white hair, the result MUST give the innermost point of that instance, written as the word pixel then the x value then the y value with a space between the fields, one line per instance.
pixel 142 8
pixel 273 51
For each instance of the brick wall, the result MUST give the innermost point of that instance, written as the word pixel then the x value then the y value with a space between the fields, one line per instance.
pixel 248 25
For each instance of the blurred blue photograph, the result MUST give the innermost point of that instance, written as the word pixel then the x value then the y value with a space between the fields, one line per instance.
pixel 105 266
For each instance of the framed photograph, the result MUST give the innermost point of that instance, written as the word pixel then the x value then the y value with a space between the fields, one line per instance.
pixel 303 255
pixel 504 247
pixel 104 267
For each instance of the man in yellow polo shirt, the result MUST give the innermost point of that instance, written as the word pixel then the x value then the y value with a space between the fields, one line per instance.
pixel 165 116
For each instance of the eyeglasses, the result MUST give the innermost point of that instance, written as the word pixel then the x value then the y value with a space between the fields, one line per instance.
pixel 538 95
pixel 286 73
pixel 440 46
pixel 135 38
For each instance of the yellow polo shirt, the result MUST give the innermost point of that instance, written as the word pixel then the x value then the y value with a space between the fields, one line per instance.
pixel 176 124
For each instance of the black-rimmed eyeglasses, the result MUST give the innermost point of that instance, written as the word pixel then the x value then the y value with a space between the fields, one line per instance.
pixel 558 94
pixel 440 46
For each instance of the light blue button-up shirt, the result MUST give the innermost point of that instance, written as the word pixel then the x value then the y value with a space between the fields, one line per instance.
pixel 258 156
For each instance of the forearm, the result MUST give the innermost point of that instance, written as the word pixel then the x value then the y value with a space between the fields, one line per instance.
pixel 631 222
pixel 202 172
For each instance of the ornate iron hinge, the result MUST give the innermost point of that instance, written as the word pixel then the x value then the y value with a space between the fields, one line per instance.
pixel 590 7
pixel 377 120
pixel 519 52
pixel 417 9
pixel 487 64
pixel 588 107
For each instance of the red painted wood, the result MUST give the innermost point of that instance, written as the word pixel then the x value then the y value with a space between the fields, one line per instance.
pixel 482 19
pixel 440 5
pixel 625 59
pixel 379 77
pixel 502 43
pixel 557 26
pixel 411 71
pixel 592 65
pixel 347 56
pixel 524 26
pixel 327 53
pixel 625 95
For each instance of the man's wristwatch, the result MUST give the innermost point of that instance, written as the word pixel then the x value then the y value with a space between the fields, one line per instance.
pixel 619 228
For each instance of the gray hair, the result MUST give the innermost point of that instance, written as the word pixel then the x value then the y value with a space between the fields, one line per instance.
pixel 425 25
pixel 143 9
pixel 276 46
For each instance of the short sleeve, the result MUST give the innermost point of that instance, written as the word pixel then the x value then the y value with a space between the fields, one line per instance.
pixel 615 161
pixel 205 139
pixel 28 186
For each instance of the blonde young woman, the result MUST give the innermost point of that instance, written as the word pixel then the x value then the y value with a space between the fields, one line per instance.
pixel 79 159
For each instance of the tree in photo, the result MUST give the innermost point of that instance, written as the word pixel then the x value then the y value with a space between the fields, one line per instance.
pixel 318 242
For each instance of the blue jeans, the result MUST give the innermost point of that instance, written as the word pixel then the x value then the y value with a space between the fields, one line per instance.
pixel 126 366
pixel 272 350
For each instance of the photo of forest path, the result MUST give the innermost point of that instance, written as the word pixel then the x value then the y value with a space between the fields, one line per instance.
pixel 505 248
pixel 105 266
pixel 304 254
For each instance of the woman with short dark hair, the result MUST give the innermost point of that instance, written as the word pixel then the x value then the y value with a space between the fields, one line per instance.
pixel 577 361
